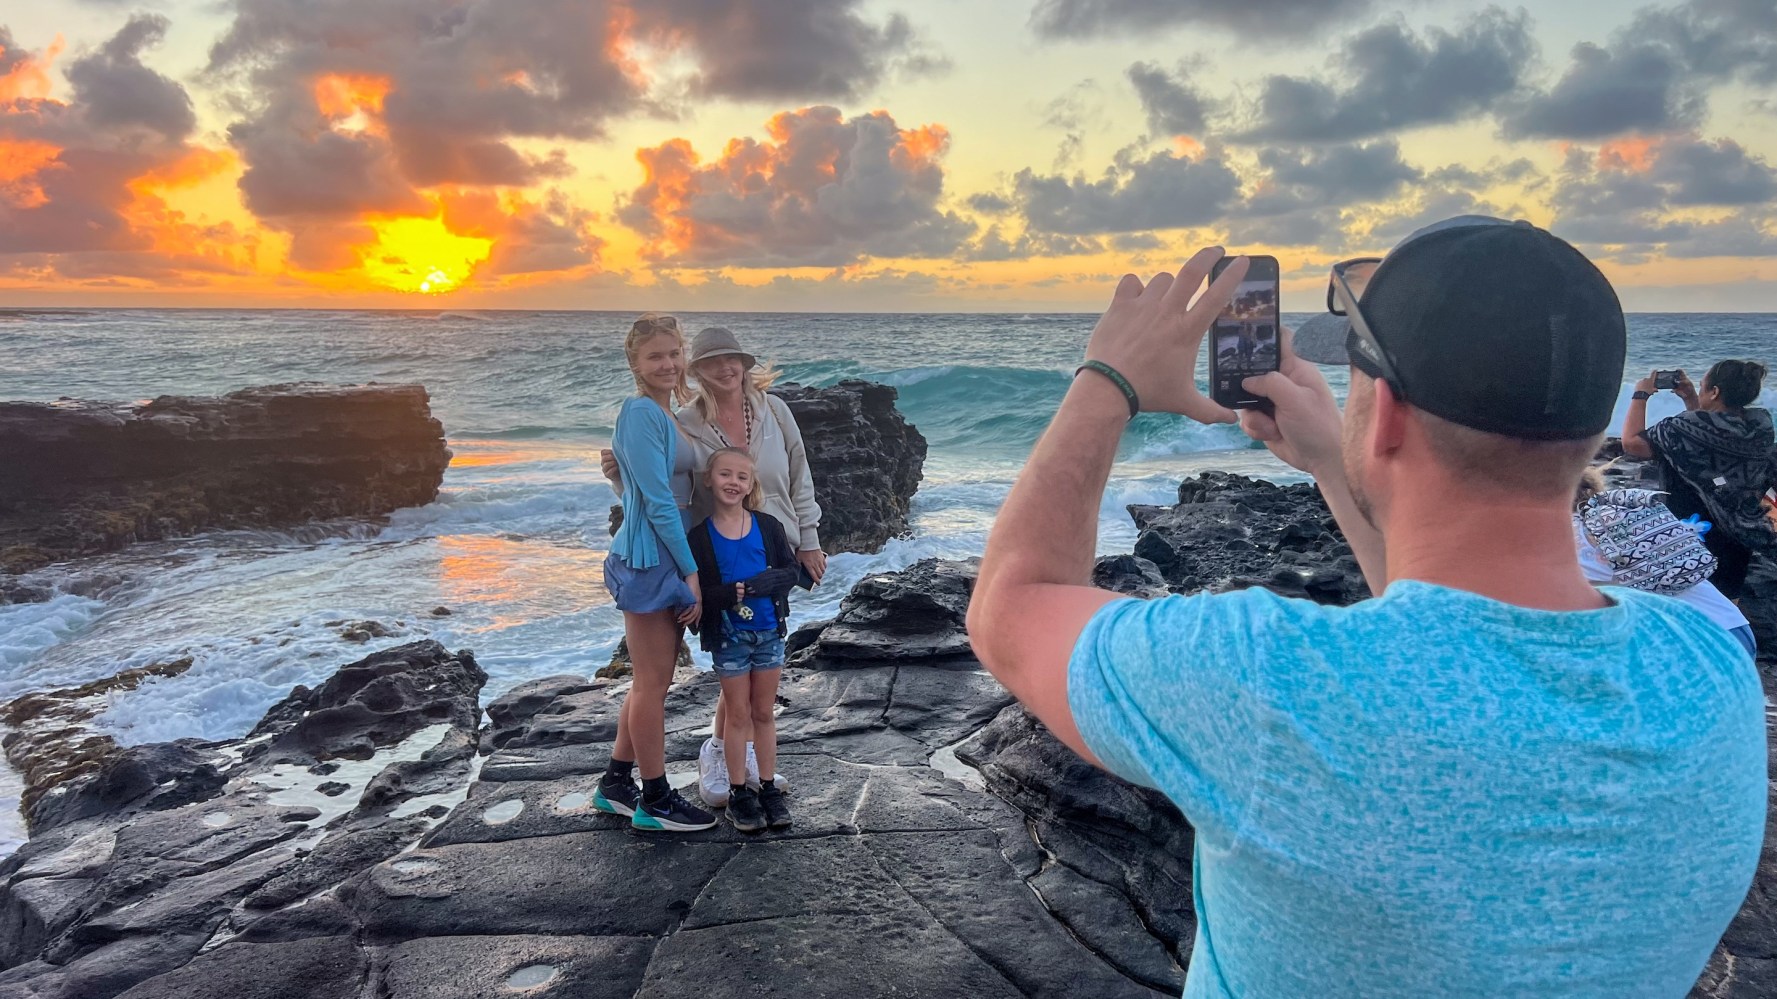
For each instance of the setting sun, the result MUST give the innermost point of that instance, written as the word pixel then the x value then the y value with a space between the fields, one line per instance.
pixel 422 256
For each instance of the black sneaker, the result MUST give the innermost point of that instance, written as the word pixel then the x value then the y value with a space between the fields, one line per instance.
pixel 777 810
pixel 744 810
pixel 670 814
pixel 618 797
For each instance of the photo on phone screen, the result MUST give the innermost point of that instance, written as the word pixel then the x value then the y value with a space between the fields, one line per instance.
pixel 1244 340
pixel 1666 380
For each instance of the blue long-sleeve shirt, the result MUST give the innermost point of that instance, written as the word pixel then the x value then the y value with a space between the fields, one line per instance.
pixel 646 443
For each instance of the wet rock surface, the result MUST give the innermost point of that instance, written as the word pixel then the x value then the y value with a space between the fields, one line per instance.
pixel 865 458
pixel 86 477
pixel 1229 532
pixel 944 842
pixel 476 866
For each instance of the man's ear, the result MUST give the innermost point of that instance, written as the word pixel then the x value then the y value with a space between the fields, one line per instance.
pixel 1388 424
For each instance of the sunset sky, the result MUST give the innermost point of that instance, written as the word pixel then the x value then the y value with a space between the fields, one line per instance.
pixel 905 155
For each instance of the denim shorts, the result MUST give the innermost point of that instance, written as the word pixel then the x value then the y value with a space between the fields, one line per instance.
pixel 644 591
pixel 746 652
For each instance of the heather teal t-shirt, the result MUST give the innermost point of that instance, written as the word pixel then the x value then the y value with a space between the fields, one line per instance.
pixel 1436 794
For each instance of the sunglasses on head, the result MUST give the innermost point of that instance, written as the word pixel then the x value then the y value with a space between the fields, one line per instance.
pixel 1344 289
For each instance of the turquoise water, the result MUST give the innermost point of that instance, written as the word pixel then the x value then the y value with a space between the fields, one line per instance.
pixel 514 544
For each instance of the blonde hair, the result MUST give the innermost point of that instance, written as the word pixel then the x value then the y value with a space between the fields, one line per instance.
pixel 759 379
pixel 647 327
pixel 755 497
pixel 1591 484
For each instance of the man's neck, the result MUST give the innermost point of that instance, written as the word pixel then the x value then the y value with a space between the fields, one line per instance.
pixel 1505 549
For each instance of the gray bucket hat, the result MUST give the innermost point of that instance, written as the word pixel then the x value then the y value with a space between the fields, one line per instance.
pixel 717 341
pixel 1322 339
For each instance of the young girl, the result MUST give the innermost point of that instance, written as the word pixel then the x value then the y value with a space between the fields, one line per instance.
pixel 747 568
pixel 652 577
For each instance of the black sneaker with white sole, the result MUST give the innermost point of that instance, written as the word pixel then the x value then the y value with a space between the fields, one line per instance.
pixel 744 811
pixel 777 810
pixel 671 814
pixel 616 796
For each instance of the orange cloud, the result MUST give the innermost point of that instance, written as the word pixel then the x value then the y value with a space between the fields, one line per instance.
pixel 822 190
pixel 20 161
pixel 29 77
pixel 1635 153
pixel 343 95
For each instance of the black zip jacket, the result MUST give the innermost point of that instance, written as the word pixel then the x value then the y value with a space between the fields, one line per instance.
pixel 782 574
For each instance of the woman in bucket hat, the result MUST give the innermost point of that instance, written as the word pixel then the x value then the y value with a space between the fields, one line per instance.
pixel 730 408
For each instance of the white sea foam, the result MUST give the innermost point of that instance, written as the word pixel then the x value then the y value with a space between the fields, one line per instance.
pixel 12 824
pixel 27 631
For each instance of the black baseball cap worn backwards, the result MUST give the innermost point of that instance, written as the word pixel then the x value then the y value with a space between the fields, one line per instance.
pixel 1495 325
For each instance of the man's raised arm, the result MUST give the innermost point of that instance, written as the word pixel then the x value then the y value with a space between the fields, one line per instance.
pixel 1034 597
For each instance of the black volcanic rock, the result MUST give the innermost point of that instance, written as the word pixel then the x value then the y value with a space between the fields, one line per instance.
pixel 917 613
pixel 377 701
pixel 867 461
pixel 1130 575
pixel 85 477
pixel 865 458
pixel 1229 532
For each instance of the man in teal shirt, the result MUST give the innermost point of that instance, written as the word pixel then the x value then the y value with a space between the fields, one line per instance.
pixel 1491 780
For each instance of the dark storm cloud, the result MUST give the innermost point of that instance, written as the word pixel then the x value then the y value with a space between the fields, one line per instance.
pixel 459 81
pixel 73 192
pixel 1718 173
pixel 1071 19
pixel 1172 104
pixel 992 246
pixel 1734 237
pixel 1623 195
pixel 117 92
pixel 1161 192
pixel 319 175
pixel 989 203
pixel 788 49
pixel 823 190
pixel 1332 176
pixel 1654 73
pixel 353 107
pixel 1605 92
pixel 1389 78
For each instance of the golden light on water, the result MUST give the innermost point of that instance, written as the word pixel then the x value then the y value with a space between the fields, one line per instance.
pixel 421 256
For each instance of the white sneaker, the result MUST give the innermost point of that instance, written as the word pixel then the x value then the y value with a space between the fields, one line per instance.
pixel 753 771
pixel 712 774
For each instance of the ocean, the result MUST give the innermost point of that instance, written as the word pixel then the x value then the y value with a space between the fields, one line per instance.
pixel 513 545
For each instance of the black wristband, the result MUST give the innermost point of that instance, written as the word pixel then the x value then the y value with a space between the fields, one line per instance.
pixel 1639 395
pixel 1117 379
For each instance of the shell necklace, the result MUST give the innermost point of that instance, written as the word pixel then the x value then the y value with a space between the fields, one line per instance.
pixel 746 406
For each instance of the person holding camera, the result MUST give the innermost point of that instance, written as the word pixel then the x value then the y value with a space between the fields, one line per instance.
pixel 1717 459
pixel 1492 779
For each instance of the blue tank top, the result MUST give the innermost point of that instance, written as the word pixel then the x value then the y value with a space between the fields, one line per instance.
pixel 741 559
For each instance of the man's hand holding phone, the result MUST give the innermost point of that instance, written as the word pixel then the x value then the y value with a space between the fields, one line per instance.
pixel 1152 335
pixel 1304 426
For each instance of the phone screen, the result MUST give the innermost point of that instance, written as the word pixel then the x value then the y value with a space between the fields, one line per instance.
pixel 1665 379
pixel 1244 340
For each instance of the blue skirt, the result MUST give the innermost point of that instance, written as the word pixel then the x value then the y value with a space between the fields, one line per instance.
pixel 644 591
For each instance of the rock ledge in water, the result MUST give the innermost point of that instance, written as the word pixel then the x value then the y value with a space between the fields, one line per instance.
pixel 87 477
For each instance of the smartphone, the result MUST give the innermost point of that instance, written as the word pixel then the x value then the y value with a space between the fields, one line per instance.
pixel 1244 340
pixel 1665 380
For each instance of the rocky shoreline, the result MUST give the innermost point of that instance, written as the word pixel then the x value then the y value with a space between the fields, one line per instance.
pixel 89 477
pixel 377 836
